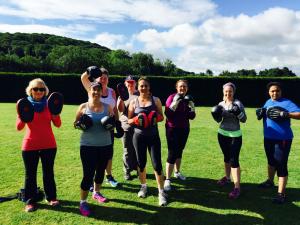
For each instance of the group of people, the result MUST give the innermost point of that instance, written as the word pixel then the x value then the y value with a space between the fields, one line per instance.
pixel 135 117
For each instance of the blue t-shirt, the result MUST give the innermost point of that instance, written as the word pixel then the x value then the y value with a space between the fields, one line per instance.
pixel 279 130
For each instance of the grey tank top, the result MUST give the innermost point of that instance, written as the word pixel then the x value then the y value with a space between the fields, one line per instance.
pixel 96 135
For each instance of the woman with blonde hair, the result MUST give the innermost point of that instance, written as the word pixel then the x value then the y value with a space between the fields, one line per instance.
pixel 39 143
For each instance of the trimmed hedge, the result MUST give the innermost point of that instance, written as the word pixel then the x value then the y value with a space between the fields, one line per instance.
pixel 207 91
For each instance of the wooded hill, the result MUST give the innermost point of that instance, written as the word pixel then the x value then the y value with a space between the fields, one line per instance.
pixel 21 52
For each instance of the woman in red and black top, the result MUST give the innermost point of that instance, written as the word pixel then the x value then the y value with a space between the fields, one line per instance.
pixel 39 142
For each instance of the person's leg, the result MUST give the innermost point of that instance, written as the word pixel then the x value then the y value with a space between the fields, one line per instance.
pixel 172 147
pixel 234 161
pixel 87 156
pixel 225 144
pixel 103 155
pixel 129 156
pixel 269 146
pixel 155 153
pixel 182 136
pixel 110 179
pixel 140 146
pixel 281 155
pixel 47 159
pixel 30 159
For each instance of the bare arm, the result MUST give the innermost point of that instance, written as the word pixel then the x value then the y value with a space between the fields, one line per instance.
pixel 294 115
pixel 85 81
pixel 120 105
pixel 131 112
pixel 159 107
pixel 80 111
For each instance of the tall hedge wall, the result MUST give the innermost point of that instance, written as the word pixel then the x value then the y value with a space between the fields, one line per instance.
pixel 207 91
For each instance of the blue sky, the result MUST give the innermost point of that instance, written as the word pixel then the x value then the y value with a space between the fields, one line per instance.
pixel 195 34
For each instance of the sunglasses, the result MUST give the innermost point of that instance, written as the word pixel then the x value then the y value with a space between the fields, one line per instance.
pixel 39 89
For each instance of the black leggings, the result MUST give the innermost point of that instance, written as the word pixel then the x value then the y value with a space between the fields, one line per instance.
pixel 31 160
pixel 176 140
pixel 141 143
pixel 277 152
pixel 231 147
pixel 94 161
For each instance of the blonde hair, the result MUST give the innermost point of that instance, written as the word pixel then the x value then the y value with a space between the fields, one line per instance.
pixel 33 83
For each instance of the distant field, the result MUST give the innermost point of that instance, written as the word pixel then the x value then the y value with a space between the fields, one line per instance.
pixel 195 201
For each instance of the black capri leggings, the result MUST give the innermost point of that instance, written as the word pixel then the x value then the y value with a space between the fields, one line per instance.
pixel 143 142
pixel 277 152
pixel 176 140
pixel 94 160
pixel 231 147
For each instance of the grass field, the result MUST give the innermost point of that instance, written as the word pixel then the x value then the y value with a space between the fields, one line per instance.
pixel 197 200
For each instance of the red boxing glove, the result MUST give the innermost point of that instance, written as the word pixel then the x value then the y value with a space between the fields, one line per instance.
pixel 141 120
pixel 154 118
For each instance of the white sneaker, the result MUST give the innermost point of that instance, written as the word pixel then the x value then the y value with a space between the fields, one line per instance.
pixel 142 192
pixel 167 185
pixel 179 176
pixel 162 199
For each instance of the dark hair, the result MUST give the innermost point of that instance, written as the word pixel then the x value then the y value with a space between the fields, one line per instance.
pixel 274 83
pixel 145 79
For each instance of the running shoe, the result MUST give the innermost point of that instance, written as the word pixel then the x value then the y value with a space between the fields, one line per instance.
pixel 53 202
pixel 179 176
pixel 142 192
pixel 110 180
pixel 167 185
pixel 128 177
pixel 279 199
pixel 99 197
pixel 30 207
pixel 266 184
pixel 235 193
pixel 162 198
pixel 84 209
pixel 223 181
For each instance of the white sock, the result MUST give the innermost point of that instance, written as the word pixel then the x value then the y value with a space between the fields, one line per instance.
pixel 160 190
pixel 143 185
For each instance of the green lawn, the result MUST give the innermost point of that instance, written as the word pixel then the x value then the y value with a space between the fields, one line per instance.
pixel 197 200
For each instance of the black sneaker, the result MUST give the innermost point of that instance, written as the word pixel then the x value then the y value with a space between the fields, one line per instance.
pixel 279 199
pixel 266 184
pixel 128 177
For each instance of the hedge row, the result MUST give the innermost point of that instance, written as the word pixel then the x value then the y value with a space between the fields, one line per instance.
pixel 207 91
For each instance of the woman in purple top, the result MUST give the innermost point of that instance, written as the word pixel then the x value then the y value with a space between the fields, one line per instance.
pixel 179 109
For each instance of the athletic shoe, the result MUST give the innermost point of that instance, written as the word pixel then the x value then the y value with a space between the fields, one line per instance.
pixel 179 176
pixel 279 199
pixel 266 184
pixel 92 188
pixel 167 185
pixel 53 202
pixel 235 193
pixel 99 197
pixel 110 180
pixel 142 192
pixel 128 177
pixel 30 207
pixel 223 181
pixel 84 209
pixel 162 198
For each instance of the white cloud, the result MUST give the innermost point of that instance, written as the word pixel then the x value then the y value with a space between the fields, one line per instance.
pixel 269 39
pixel 112 41
pixel 70 30
pixel 154 12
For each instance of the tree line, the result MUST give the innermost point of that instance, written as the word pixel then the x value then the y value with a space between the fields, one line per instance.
pixel 20 52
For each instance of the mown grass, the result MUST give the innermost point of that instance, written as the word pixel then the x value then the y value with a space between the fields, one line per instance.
pixel 195 201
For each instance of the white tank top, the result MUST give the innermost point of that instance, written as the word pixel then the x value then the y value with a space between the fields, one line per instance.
pixel 109 98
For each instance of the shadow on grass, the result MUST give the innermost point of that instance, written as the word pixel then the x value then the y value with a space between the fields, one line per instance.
pixel 201 201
